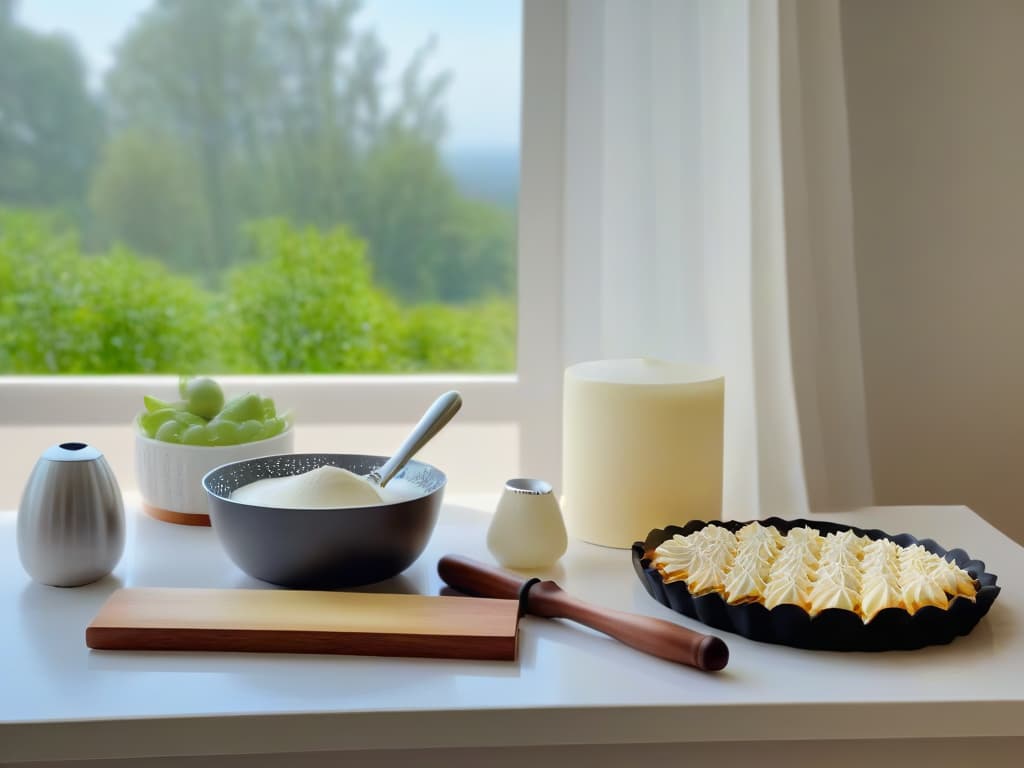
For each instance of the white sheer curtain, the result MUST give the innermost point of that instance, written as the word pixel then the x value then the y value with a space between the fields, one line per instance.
pixel 707 219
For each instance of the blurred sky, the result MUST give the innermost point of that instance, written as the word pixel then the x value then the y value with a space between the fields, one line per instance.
pixel 478 41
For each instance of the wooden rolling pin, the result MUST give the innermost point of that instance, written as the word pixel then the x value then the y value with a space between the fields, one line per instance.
pixel 545 598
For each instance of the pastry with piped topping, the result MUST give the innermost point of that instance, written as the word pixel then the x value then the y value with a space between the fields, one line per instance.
pixel 802 567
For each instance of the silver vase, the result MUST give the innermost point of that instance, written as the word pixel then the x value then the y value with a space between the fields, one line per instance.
pixel 71 517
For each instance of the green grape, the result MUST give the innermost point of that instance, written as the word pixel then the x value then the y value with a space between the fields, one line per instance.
pixel 187 419
pixel 151 421
pixel 223 432
pixel 272 427
pixel 169 432
pixel 250 431
pixel 195 435
pixel 269 410
pixel 204 397
pixel 202 417
pixel 154 404
pixel 242 408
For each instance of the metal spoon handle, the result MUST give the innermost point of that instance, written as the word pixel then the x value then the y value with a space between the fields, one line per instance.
pixel 439 414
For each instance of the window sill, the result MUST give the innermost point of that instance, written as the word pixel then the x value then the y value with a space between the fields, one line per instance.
pixel 353 398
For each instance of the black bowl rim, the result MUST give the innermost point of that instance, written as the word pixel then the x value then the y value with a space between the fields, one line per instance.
pixel 788 625
pixel 374 457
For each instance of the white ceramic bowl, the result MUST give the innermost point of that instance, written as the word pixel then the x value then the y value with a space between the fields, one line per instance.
pixel 171 475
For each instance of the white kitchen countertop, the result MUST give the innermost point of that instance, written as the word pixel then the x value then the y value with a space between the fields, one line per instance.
pixel 61 701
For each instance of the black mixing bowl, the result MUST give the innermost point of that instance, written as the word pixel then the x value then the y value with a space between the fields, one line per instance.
pixel 322 548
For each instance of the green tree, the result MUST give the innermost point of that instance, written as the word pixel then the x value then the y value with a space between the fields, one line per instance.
pixel 427 241
pixel 50 125
pixel 186 73
pixel 484 251
pixel 278 110
pixel 274 102
pixel 325 92
pixel 405 200
pixel 147 194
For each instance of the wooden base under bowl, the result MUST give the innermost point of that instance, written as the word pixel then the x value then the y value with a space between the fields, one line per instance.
pixel 178 518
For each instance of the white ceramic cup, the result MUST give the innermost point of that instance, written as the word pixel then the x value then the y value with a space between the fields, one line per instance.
pixel 527 530
pixel 171 475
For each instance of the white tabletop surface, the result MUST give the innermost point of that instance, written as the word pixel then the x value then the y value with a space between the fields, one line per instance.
pixel 59 700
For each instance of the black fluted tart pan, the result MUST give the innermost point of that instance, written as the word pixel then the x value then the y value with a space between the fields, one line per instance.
pixel 833 629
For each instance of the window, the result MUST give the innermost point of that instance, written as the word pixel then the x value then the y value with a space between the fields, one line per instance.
pixel 259 187
pixel 526 398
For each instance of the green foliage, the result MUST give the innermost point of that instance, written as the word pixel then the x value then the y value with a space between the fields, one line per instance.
pixel 308 304
pixel 481 337
pixel 63 312
pixel 136 316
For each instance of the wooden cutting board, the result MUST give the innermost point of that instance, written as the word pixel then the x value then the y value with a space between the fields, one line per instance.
pixel 299 621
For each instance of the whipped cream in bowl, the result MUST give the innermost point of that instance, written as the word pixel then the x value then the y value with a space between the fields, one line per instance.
pixel 313 521
pixel 326 486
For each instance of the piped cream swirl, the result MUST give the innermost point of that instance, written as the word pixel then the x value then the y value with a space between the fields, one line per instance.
pixel 841 570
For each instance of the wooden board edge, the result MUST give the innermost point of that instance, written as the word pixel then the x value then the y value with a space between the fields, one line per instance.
pixel 475 647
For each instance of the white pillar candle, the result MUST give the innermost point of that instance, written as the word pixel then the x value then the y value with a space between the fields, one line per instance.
pixel 642 448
